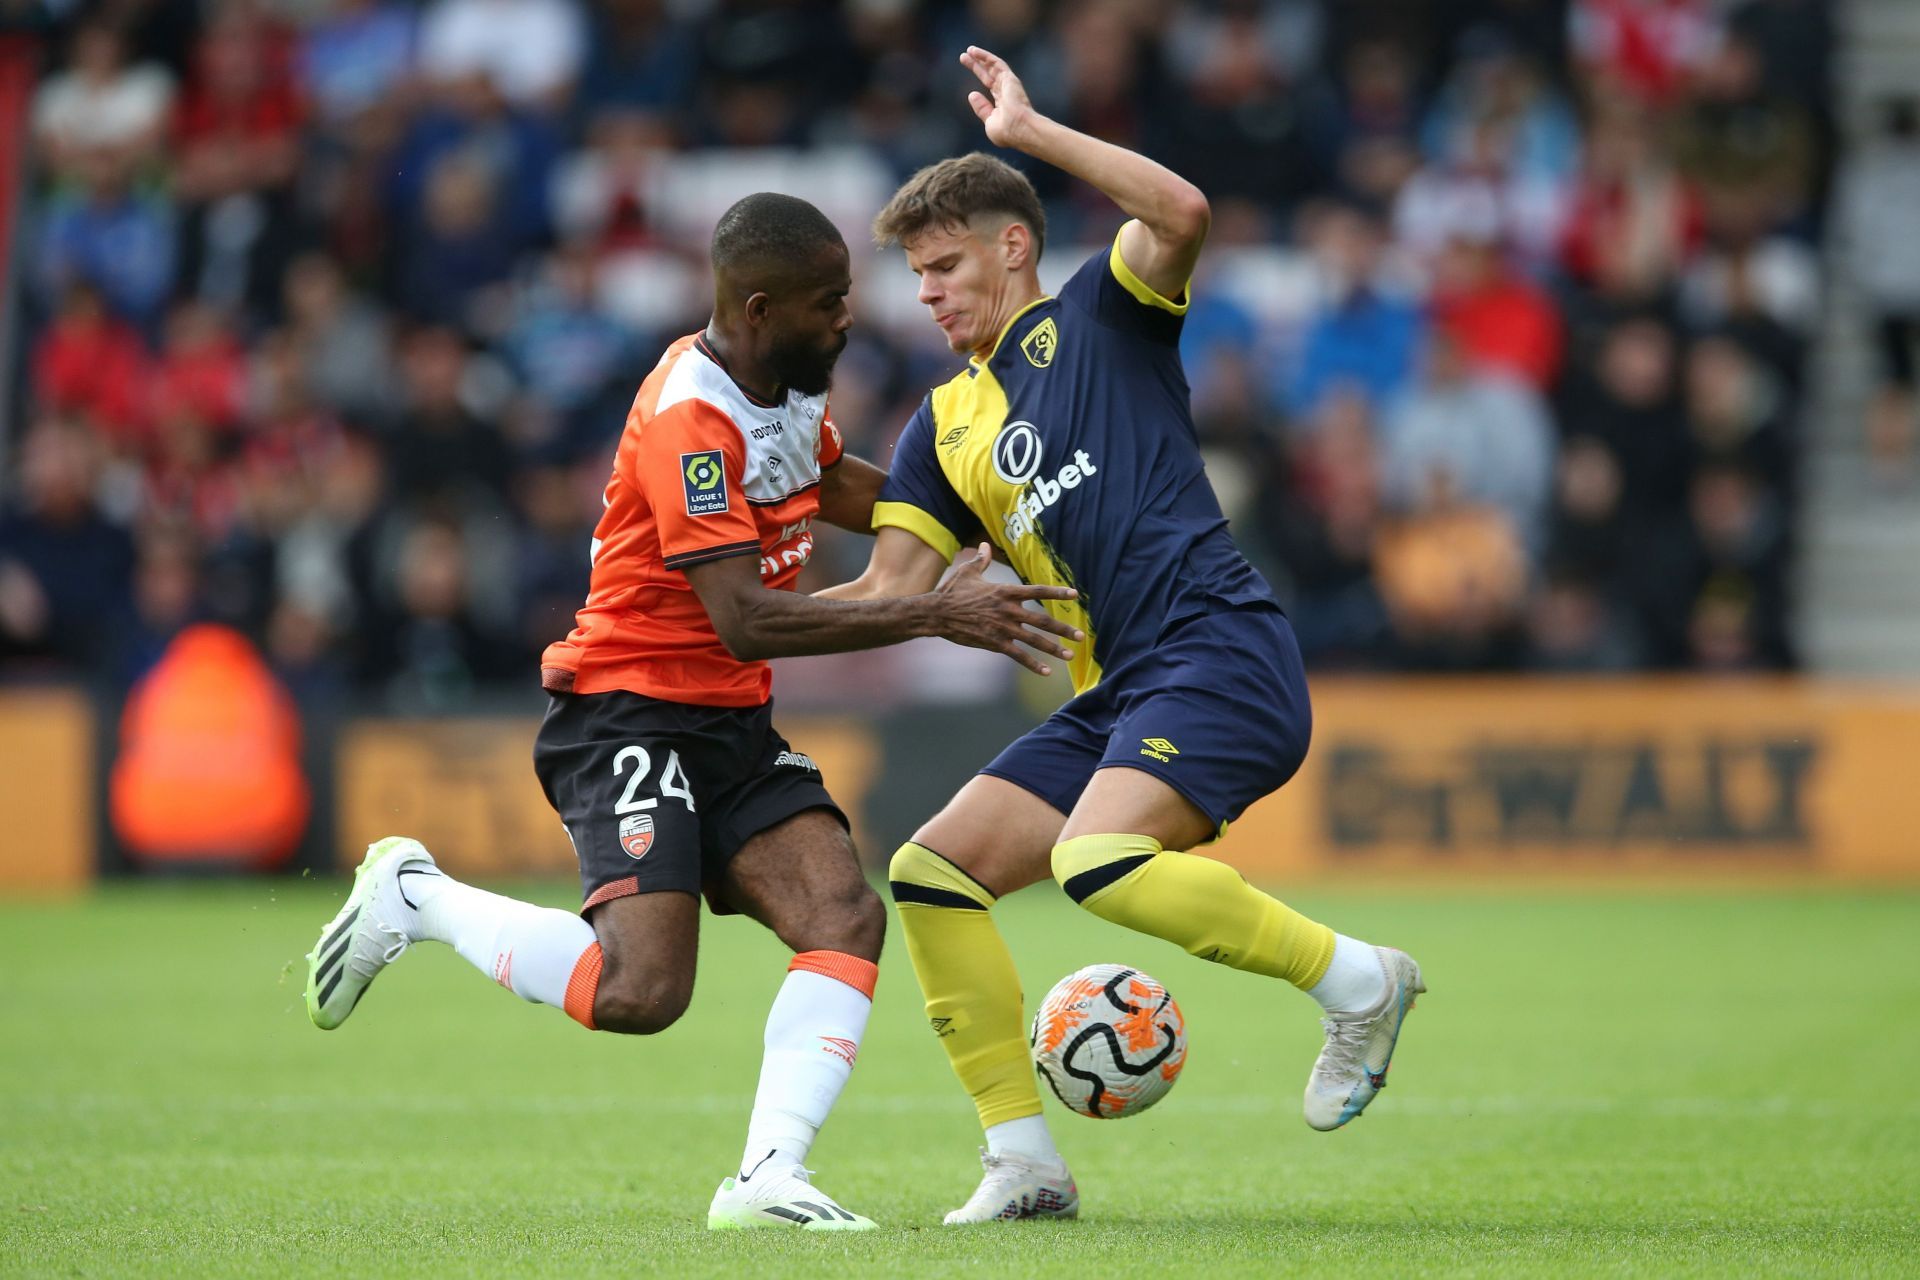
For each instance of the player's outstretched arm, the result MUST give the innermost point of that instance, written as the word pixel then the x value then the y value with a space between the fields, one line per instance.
pixel 1170 215
pixel 848 490
pixel 755 622
pixel 901 565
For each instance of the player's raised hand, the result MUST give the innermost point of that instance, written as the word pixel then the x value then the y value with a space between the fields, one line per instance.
pixel 993 615
pixel 1004 108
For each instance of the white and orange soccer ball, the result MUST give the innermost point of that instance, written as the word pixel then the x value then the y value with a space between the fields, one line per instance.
pixel 1109 1040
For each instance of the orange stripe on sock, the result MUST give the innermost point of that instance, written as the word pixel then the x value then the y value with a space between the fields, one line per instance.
pixel 583 985
pixel 859 974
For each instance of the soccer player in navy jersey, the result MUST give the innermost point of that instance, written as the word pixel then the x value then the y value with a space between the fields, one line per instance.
pixel 1069 441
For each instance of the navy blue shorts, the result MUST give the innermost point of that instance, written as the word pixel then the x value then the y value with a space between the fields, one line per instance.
pixel 1217 710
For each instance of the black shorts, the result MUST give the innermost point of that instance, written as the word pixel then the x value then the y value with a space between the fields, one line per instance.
pixel 659 795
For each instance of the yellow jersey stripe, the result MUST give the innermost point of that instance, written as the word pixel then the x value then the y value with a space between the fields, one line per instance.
pixel 902 515
pixel 1141 290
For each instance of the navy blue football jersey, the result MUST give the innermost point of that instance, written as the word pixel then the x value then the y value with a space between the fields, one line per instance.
pixel 1072 444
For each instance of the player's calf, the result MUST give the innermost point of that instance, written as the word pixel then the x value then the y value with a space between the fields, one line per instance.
pixel 643 1005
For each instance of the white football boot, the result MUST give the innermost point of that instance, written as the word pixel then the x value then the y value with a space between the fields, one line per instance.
pixel 1352 1068
pixel 372 930
pixel 1017 1186
pixel 780 1198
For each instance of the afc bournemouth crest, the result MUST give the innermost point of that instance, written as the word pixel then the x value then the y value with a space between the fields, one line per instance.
pixel 636 834
pixel 1038 346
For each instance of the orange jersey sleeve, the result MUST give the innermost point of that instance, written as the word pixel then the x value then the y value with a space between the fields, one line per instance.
pixel 831 448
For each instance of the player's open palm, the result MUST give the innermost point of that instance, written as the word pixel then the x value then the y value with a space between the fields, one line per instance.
pixel 1003 108
pixel 993 615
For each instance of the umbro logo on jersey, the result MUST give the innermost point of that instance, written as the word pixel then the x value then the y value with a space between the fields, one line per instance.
pixel 942 1026
pixel 840 1047
pixel 1038 347
pixel 704 477
pixel 1159 748
pixel 955 436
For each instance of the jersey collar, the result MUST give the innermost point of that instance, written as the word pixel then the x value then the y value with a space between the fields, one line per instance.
pixel 976 363
pixel 706 349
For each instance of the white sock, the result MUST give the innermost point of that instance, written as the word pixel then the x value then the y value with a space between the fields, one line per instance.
pixel 1027 1136
pixel 1354 981
pixel 529 950
pixel 813 1036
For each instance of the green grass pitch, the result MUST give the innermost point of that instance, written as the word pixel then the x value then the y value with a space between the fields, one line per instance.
pixel 1603 1082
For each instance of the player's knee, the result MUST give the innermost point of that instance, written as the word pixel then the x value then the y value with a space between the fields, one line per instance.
pixel 1088 865
pixel 848 917
pixel 641 1006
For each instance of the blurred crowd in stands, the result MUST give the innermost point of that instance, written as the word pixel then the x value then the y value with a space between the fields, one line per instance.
pixel 332 308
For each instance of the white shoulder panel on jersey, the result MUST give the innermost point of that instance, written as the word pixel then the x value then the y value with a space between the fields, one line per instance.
pixel 782 444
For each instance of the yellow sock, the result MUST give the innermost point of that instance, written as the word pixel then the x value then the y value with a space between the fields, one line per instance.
pixel 1202 905
pixel 967 976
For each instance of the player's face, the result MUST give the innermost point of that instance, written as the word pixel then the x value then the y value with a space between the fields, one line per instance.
pixel 809 325
pixel 963 280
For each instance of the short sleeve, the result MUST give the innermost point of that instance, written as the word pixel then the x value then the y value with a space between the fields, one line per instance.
pixel 1106 288
pixel 831 447
pixel 917 496
pixel 689 463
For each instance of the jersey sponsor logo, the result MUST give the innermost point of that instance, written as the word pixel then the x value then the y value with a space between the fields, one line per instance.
pixel 1016 453
pixel 1159 748
pixel 636 834
pixel 770 429
pixel 1038 346
pixel 799 759
pixel 952 439
pixel 703 475
pixel 1043 493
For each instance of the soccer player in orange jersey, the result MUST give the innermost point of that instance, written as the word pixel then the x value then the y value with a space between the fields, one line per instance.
pixel 658 748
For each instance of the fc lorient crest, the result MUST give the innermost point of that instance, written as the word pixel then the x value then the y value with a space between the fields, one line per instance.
pixel 636 834
pixel 1038 346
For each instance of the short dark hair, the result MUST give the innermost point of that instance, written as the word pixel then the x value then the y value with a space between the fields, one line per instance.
pixel 771 231
pixel 953 192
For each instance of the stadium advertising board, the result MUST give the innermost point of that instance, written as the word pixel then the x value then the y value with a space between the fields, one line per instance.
pixel 1525 777
pixel 1537 775
pixel 46 790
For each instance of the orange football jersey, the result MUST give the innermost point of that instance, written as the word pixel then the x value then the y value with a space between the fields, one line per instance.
pixel 704 470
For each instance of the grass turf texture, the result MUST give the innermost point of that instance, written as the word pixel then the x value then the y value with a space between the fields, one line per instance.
pixel 1600 1083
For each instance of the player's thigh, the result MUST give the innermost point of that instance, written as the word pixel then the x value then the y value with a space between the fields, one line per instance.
pixel 649 943
pixel 1221 719
pixel 1124 800
pixel 802 879
pixel 999 833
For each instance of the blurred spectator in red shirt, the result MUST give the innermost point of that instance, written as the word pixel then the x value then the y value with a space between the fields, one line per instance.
pixel 239 123
pixel 1644 47
pixel 1502 321
pixel 91 364
pixel 1633 219
pixel 201 371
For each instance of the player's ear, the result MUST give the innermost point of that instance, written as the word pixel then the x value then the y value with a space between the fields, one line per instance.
pixel 1016 245
pixel 756 308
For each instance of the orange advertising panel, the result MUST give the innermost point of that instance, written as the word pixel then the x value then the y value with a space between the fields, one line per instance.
pixel 466 789
pixel 46 791
pixel 1540 775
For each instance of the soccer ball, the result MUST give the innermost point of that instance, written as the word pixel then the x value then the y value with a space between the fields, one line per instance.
pixel 1109 1040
